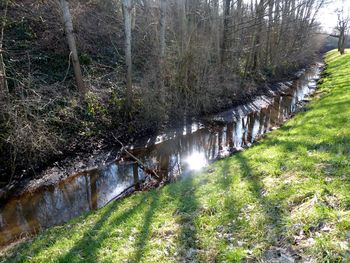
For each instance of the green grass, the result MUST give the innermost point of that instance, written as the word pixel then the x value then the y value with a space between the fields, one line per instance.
pixel 291 191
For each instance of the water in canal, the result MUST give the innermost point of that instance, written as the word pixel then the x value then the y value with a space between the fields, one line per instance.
pixel 172 154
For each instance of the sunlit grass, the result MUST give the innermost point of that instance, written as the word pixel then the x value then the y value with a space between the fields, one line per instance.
pixel 291 190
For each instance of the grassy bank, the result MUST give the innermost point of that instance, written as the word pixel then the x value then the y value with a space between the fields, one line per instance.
pixel 286 197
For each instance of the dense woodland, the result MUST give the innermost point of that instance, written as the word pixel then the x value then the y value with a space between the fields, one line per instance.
pixel 144 65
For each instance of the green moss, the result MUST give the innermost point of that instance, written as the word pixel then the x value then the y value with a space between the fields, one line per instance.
pixel 21 29
pixel 291 190
pixel 85 59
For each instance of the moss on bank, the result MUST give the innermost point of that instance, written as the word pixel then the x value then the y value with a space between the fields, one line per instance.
pixel 288 196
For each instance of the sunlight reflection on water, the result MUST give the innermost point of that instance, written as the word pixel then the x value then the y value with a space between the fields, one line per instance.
pixel 196 161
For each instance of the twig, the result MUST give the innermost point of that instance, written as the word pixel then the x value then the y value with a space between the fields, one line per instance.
pixel 69 58
pixel 140 163
pixel 124 192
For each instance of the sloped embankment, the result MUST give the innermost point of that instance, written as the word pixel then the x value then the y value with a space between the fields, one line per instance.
pixel 287 198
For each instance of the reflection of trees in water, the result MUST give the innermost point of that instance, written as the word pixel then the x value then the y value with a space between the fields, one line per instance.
pixel 60 203
pixel 237 129
pixel 57 204
pixel 10 221
pixel 91 188
pixel 169 156
pixel 51 206
pixel 250 127
pixel 262 121
pixel 229 135
pixel 135 169
pixel 232 134
pixel 102 185
pixel 124 171
pixel 244 131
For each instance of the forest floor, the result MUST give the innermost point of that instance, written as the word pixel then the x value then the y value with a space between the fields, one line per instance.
pixel 286 199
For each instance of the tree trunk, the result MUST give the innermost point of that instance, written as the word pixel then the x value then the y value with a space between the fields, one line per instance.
pixel 127 31
pixel 257 38
pixel 238 33
pixel 274 42
pixel 339 42
pixel 268 34
pixel 342 42
pixel 224 45
pixel 216 26
pixel 3 81
pixel 68 25
pixel 162 28
pixel 162 23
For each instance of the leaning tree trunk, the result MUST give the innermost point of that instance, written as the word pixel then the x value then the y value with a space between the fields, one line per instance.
pixel 127 31
pixel 68 26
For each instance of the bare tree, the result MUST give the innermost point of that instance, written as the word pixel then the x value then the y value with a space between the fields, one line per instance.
pixel 127 8
pixel 342 26
pixel 68 25
pixel 162 45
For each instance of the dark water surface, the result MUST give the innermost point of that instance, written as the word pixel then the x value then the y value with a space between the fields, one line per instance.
pixel 172 154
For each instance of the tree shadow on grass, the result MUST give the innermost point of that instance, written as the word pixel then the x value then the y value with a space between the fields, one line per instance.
pixel 145 231
pixel 36 247
pixel 226 179
pixel 338 64
pixel 87 247
pixel 187 209
pixel 184 193
pixel 271 208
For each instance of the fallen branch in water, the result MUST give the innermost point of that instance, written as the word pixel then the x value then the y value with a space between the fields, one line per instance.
pixel 132 188
pixel 139 162
pixel 122 194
